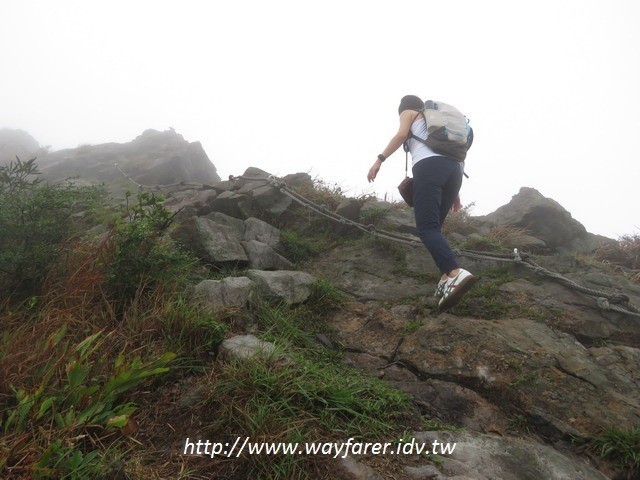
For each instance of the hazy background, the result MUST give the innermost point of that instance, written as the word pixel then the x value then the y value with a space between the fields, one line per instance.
pixel 551 87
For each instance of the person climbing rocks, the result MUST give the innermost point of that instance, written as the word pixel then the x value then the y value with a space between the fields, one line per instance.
pixel 436 184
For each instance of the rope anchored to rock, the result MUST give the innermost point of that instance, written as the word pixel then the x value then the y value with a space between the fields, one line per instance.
pixel 606 301
pixel 616 302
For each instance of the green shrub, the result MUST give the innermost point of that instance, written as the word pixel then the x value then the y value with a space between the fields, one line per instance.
pixel 324 296
pixel 460 222
pixel 297 247
pixel 36 221
pixel 374 215
pixel 142 257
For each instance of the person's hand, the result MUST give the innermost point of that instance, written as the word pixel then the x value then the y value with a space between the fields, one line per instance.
pixel 457 205
pixel 373 171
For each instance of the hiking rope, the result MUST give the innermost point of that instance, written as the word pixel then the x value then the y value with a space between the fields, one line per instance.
pixel 605 301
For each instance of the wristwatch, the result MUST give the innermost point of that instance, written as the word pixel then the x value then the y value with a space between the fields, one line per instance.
pixel 381 157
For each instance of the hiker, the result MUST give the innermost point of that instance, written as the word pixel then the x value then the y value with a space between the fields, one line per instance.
pixel 436 183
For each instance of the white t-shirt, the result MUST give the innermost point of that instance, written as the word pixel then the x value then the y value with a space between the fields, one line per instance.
pixel 419 151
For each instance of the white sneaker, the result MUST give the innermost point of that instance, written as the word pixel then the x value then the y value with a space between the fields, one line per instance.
pixel 456 287
pixel 440 288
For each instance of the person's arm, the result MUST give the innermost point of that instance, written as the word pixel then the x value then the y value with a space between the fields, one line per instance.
pixel 406 119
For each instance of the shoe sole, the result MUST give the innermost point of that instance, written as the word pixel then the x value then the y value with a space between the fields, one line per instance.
pixel 463 287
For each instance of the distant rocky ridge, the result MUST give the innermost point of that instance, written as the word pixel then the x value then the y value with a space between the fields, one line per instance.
pixel 17 143
pixel 153 158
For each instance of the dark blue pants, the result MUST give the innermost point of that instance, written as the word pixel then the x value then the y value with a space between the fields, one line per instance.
pixel 436 183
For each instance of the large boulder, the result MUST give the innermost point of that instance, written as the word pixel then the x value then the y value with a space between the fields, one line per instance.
pixel 389 217
pixel 211 241
pixel 256 229
pixel 263 257
pixel 219 238
pixel 545 219
pixel 289 286
pixel 233 204
pixel 370 271
pixel 230 292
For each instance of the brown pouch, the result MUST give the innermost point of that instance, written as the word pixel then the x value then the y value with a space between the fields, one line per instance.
pixel 406 190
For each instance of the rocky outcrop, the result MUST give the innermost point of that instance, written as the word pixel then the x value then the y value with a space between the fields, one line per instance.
pixel 213 242
pixel 220 239
pixel 153 158
pixel 546 220
pixel 17 143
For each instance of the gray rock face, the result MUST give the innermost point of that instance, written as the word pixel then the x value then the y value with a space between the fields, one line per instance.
pixel 234 205
pixel 215 243
pixel 349 209
pixel 544 219
pixel 290 286
pixel 256 229
pixel 263 257
pixel 236 224
pixel 153 158
pixel 488 457
pixel 371 273
pixel 401 220
pixel 219 238
pixel 299 180
pixel 562 387
pixel 230 292
pixel 580 315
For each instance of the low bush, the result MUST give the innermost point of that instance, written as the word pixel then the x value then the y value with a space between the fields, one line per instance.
pixel 460 222
pixel 624 253
pixel 140 256
pixel 36 222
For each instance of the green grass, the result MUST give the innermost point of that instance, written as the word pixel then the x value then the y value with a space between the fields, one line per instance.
pixel 433 425
pixel 485 300
pixel 303 393
pixel 297 247
pixel 412 326
pixel 374 216
pixel 519 423
pixel 622 446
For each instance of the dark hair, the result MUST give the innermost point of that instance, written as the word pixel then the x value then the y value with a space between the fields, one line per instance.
pixel 410 102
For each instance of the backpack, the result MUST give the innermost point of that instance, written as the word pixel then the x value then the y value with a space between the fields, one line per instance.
pixel 449 130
